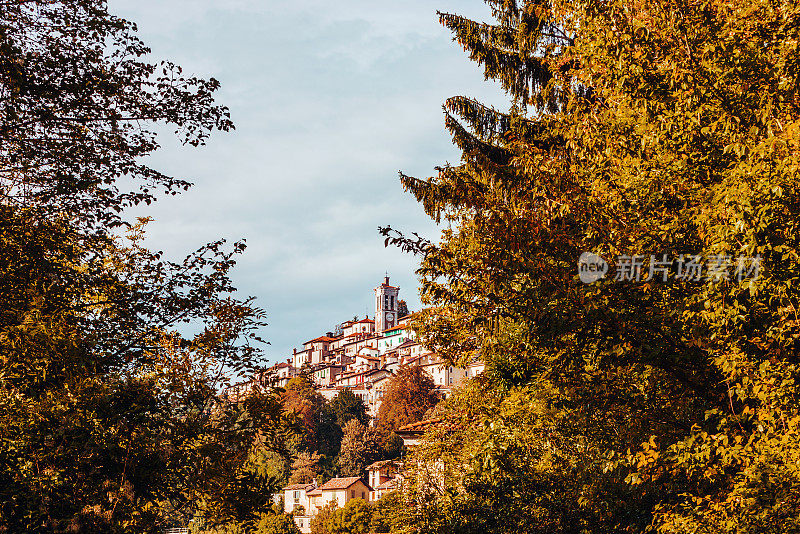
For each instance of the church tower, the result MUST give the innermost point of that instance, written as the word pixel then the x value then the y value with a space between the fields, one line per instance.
pixel 385 306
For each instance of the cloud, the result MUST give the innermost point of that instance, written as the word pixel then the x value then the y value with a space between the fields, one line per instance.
pixel 330 100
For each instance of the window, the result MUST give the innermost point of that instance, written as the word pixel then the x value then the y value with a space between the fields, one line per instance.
pixel 352 494
pixel 296 497
pixel 362 494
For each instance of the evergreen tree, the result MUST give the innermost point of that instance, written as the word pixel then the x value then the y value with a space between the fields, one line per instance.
pixel 346 406
pixel 360 447
pixel 635 128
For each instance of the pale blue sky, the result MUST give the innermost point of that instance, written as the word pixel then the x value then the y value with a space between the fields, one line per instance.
pixel 330 100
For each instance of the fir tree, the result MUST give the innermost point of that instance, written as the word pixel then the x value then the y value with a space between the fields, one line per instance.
pixel 634 128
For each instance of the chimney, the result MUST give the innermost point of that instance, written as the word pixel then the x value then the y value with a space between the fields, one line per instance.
pixel 294 351
pixel 329 334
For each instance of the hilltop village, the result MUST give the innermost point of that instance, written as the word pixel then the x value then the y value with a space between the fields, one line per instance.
pixel 363 354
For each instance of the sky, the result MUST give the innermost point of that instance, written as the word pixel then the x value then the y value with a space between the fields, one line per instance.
pixel 330 101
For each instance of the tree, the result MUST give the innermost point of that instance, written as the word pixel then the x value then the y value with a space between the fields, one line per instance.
pixel 360 447
pixel 388 513
pixel 402 308
pixel 78 100
pixel 354 518
pixel 276 524
pixel 322 518
pixel 272 464
pixel 110 416
pixel 409 394
pixel 346 406
pixel 305 468
pixel 321 434
pixel 635 130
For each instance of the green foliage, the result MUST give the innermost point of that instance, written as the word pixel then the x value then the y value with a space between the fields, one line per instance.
pixel 320 431
pixel 388 513
pixel 346 406
pixel 276 524
pixel 110 416
pixel 354 518
pixel 647 128
pixel 322 518
pixel 267 462
pixel 360 447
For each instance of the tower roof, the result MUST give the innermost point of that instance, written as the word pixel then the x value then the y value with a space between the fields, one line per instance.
pixel 385 284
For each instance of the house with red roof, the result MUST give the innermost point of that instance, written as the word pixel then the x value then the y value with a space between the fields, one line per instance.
pixel 342 490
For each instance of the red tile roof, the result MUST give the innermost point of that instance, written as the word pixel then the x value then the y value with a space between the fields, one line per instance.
pixel 420 426
pixel 340 483
pixel 299 486
pixel 324 339
pixel 384 284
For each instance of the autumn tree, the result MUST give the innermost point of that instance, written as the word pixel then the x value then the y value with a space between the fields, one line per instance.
pixel 110 413
pixel 653 134
pixel 320 433
pixel 301 398
pixel 305 468
pixel 409 394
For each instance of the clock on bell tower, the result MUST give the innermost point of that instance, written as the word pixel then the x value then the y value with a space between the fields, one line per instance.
pixel 386 306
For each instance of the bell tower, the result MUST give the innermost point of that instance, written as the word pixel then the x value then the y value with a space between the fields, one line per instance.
pixel 385 306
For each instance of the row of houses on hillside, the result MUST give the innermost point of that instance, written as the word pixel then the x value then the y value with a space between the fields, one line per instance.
pixel 363 354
